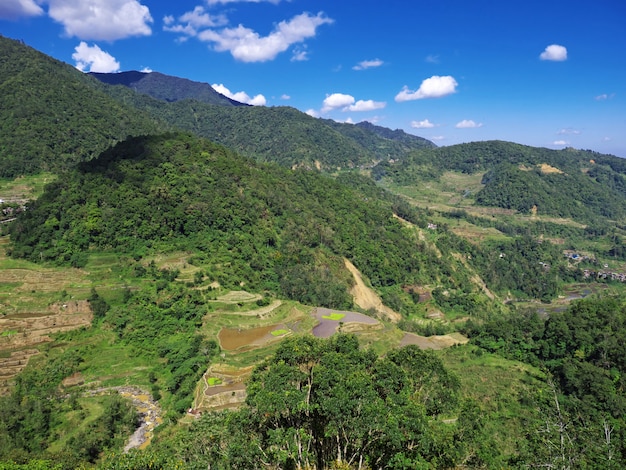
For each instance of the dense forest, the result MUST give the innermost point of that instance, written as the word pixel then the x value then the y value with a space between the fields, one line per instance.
pixel 582 185
pixel 53 117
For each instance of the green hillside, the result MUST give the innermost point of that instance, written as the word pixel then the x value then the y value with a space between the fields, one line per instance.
pixel 53 116
pixel 209 281
pixel 265 226
pixel 577 184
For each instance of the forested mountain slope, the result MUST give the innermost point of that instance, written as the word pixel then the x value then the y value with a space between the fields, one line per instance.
pixel 582 185
pixel 267 226
pixel 53 116
pixel 165 87
pixel 281 134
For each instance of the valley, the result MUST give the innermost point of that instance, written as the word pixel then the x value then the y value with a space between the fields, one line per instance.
pixel 252 287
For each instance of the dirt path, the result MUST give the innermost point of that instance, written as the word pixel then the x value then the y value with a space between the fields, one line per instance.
pixel 366 298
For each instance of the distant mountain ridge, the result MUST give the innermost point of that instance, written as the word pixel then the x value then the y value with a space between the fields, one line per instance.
pixel 166 87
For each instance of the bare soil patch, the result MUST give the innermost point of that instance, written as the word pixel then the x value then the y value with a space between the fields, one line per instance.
pixel 20 333
pixel 238 296
pixel 366 298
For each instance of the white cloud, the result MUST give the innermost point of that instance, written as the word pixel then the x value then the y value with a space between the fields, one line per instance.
pixel 337 101
pixel 569 131
pixel 94 59
pixel 555 53
pixel 604 96
pixel 347 103
pixel 146 70
pixel 13 9
pixel 366 64
pixel 468 124
pixel 192 21
pixel 560 142
pixel 105 20
pixel 241 96
pixel 366 105
pixel 218 2
pixel 438 138
pixel 312 113
pixel 300 54
pixel 433 87
pixel 425 124
pixel 432 59
pixel 285 97
pixel 247 46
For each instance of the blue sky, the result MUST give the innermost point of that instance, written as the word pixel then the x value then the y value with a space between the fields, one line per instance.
pixel 548 73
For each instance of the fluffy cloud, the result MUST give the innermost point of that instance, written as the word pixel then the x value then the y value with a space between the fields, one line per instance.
pixel 348 103
pixel 560 142
pixel 312 113
pixel 105 20
pixel 366 64
pixel 555 53
pixel 468 124
pixel 433 87
pixel 425 124
pixel 13 9
pixel 94 59
pixel 241 96
pixel 218 2
pixel 192 21
pixel 337 101
pixel 366 105
pixel 247 46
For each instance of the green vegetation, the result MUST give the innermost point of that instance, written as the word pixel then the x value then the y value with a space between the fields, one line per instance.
pixel 583 185
pixel 334 316
pixel 192 271
pixel 53 116
pixel 279 332
pixel 269 228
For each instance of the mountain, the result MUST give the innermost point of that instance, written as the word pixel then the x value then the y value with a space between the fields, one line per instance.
pixel 269 227
pixel 53 116
pixel 578 184
pixel 279 134
pixel 165 87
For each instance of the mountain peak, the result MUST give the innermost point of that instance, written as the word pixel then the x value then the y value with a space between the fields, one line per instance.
pixel 166 87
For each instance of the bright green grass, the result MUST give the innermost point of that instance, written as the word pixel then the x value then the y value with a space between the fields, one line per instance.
pixel 334 316
pixel 112 363
pixel 211 381
pixel 280 332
